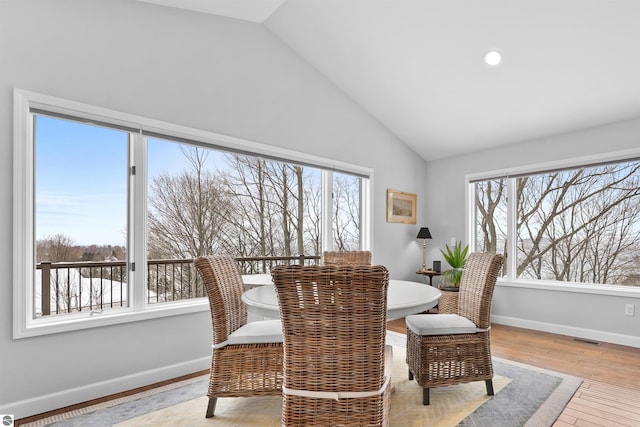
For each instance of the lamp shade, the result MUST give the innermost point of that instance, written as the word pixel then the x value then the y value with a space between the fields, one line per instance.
pixel 424 233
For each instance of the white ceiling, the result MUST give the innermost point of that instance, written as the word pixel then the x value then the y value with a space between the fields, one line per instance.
pixel 248 10
pixel 417 65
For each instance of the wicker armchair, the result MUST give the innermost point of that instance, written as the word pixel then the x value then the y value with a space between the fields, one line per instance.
pixel 346 257
pixel 246 357
pixel 446 349
pixel 334 324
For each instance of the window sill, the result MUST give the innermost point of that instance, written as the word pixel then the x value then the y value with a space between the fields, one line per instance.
pixel 582 288
pixel 75 322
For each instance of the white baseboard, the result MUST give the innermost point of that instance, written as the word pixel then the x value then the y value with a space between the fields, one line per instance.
pixel 590 334
pixel 60 399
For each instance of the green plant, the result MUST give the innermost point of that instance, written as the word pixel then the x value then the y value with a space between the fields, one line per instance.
pixel 456 258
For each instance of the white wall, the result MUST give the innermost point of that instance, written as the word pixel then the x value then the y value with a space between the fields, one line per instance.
pixel 216 74
pixel 580 314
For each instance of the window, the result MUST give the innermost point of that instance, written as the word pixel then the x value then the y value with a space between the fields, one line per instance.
pixel 110 209
pixel 579 224
pixel 80 216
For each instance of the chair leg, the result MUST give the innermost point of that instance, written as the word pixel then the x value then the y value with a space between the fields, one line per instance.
pixel 211 407
pixel 425 396
pixel 489 384
pixel 410 375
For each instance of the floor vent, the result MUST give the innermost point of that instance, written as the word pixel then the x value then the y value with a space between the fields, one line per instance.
pixel 586 341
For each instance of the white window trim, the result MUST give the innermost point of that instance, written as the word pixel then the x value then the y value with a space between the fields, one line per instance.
pixel 510 280
pixel 24 325
pixel 366 202
pixel 327 204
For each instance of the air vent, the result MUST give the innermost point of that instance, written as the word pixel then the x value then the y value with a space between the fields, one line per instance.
pixel 586 341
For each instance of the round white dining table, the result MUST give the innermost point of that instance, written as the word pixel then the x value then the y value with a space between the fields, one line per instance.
pixel 262 279
pixel 403 298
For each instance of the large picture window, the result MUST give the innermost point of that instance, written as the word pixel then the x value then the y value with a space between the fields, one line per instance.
pixel 110 213
pixel 578 224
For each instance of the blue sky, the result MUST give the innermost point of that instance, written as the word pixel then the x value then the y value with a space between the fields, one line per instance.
pixel 81 179
pixel 81 182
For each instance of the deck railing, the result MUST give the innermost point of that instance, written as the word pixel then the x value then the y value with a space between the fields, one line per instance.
pixel 67 287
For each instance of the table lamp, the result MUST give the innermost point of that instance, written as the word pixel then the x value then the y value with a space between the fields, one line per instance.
pixel 424 234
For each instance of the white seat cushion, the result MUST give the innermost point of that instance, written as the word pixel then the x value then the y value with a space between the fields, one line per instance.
pixel 440 324
pixel 258 332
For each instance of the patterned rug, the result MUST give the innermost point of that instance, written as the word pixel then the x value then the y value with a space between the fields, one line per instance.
pixel 525 396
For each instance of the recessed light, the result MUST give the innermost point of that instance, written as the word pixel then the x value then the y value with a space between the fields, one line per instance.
pixel 493 58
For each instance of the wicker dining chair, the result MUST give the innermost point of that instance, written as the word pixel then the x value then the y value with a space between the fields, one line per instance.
pixel 246 357
pixel 447 349
pixel 336 367
pixel 346 258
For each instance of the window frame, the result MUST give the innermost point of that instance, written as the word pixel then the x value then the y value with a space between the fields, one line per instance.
pixel 511 174
pixel 25 102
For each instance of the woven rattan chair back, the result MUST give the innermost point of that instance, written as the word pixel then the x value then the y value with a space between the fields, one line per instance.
pixel 346 258
pixel 476 287
pixel 334 326
pixel 237 370
pixel 224 287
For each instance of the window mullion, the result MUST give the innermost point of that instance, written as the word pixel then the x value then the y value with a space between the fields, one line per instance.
pixel 327 211
pixel 365 214
pixel 512 215
pixel 137 221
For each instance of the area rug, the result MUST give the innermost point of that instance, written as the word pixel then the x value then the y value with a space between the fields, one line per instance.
pixel 525 396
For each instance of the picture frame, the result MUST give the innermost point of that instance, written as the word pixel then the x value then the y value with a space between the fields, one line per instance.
pixel 401 207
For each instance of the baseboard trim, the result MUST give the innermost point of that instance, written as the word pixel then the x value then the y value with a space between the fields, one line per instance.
pixel 591 334
pixel 49 402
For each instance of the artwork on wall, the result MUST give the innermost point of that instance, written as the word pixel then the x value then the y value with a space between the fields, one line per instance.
pixel 401 207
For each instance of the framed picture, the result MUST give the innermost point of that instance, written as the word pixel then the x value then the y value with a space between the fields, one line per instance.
pixel 401 207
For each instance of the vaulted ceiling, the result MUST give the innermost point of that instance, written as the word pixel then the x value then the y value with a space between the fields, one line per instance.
pixel 418 65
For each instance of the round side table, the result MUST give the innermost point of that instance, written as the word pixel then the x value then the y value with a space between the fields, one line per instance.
pixel 428 273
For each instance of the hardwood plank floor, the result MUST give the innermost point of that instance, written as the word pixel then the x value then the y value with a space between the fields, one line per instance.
pixel 610 393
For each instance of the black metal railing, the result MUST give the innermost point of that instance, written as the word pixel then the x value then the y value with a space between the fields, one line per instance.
pixel 67 287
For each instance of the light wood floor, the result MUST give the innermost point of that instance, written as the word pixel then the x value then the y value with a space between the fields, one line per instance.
pixel 610 393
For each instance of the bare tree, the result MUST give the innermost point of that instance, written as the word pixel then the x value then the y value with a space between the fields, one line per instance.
pixel 270 195
pixel 346 213
pixel 312 216
pixel 490 201
pixel 188 212
pixel 575 225
pixel 57 248
pixel 245 182
pixel 282 183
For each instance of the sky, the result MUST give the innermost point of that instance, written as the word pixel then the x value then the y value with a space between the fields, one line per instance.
pixel 81 179
pixel 81 182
